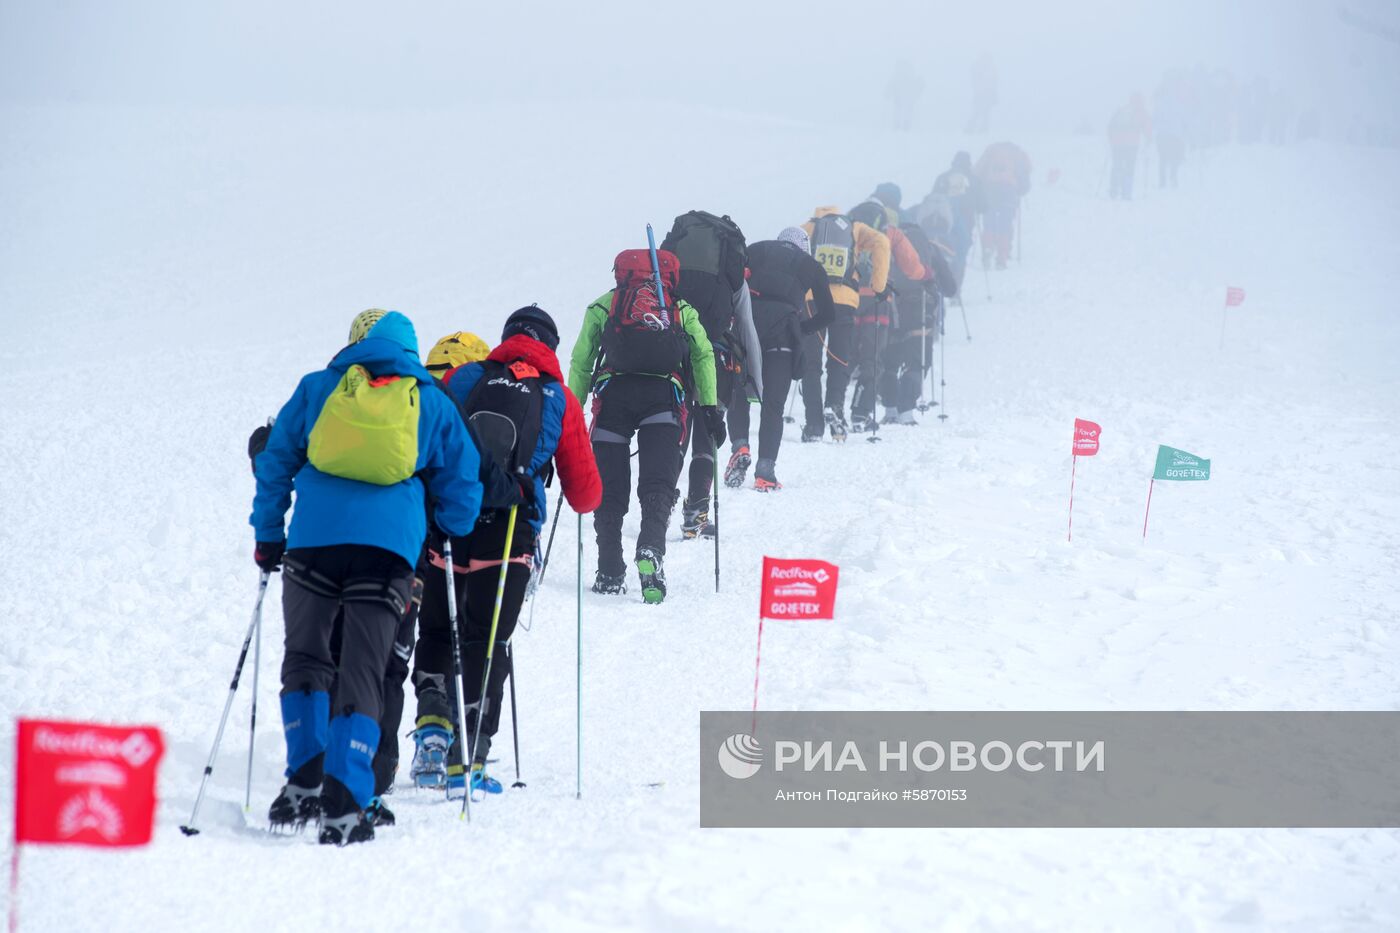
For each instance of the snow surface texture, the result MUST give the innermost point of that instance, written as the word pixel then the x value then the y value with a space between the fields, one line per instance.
pixel 168 276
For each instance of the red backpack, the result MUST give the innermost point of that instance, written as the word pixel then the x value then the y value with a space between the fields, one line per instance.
pixel 644 333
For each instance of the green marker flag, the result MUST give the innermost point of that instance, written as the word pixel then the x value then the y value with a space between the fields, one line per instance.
pixel 1175 466
pixel 1179 466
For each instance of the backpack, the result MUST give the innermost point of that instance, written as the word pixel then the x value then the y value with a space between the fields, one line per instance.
pixel 833 242
pixel 644 334
pixel 504 412
pixel 367 429
pixel 713 256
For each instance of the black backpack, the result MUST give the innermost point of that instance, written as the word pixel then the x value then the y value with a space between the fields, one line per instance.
pixel 713 255
pixel 833 244
pixel 503 412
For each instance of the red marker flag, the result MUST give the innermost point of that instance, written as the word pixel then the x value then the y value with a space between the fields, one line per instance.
pixel 1086 438
pixel 793 589
pixel 1085 444
pixel 83 784
pixel 798 589
pixel 1234 297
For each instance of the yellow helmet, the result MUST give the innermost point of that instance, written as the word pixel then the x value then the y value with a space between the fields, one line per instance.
pixel 364 322
pixel 456 350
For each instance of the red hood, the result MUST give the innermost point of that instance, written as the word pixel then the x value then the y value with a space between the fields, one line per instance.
pixel 521 347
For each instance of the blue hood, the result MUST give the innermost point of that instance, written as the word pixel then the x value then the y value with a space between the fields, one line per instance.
pixel 389 349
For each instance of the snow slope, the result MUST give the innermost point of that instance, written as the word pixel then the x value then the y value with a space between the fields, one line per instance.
pixel 168 275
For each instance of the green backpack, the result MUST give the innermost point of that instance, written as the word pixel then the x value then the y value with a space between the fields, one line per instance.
pixel 368 429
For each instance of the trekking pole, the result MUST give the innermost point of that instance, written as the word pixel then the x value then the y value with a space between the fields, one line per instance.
pixel 458 675
pixel 715 447
pixel 1019 205
pixel 514 720
pixel 190 828
pixel 943 368
pixel 491 646
pixel 923 346
pixel 792 397
pixel 987 277
pixel 253 717
pixel 558 508
pixel 578 675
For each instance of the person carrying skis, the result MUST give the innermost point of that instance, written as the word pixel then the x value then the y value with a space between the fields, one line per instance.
pixel 916 323
pixel 358 442
pixel 632 354
pixel 876 311
pixel 1004 172
pixel 713 261
pixel 525 422
pixel 783 273
pixel 854 255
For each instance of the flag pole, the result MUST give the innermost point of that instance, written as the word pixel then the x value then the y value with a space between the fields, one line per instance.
pixel 1224 315
pixel 1148 512
pixel 1074 466
pixel 758 656
pixel 14 887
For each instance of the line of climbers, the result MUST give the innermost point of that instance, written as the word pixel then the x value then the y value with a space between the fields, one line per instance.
pixel 402 471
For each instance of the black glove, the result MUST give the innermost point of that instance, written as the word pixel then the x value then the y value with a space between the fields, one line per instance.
pixel 887 294
pixel 257 442
pixel 714 423
pixel 268 555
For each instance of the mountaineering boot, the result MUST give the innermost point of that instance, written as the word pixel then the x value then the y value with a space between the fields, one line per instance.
pixel 811 435
pixel 429 768
pixel 481 781
pixel 609 585
pixel 738 467
pixel 861 424
pixel 651 576
pixel 294 807
pixel 764 479
pixel 837 424
pixel 378 814
pixel 456 782
pixel 891 417
pixel 907 418
pixel 300 800
pixel 695 520
pixel 342 821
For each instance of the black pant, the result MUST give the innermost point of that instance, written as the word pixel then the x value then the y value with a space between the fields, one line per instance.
pixel 368 589
pixel 870 338
pixel 647 406
pixel 778 363
pixel 702 461
pixel 840 340
pixel 902 373
pixel 1120 184
pixel 476 572
pixel 386 757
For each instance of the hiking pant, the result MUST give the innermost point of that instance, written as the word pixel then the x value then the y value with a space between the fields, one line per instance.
pixel 649 407
pixel 776 386
pixel 368 587
pixel 902 373
pixel 840 340
pixel 386 758
pixel 702 447
pixel 1120 180
pixel 872 333
pixel 999 221
pixel 476 569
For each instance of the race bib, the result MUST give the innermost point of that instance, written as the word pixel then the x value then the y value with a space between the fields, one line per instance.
pixel 834 260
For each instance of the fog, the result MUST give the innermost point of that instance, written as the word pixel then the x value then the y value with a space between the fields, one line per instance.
pixel 1055 67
